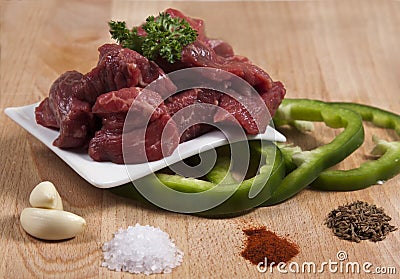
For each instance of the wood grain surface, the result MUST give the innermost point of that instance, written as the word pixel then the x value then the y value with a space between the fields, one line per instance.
pixel 328 50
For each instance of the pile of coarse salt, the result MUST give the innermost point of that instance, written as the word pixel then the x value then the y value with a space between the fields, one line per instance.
pixel 141 249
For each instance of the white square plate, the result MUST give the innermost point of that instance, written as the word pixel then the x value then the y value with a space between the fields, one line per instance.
pixel 107 174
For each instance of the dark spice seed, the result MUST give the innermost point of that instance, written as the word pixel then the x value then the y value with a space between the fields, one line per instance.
pixel 359 221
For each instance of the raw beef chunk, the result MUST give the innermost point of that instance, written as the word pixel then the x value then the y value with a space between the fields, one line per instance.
pixel 206 52
pixel 120 68
pixel 142 130
pixel 192 110
pixel 63 110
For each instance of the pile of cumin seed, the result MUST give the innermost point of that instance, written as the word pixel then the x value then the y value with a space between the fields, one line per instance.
pixel 358 221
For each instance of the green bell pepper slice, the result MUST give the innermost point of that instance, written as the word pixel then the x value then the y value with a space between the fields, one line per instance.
pixel 369 172
pixel 267 178
pixel 309 164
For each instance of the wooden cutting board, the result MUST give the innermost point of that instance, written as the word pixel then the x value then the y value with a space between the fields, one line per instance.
pixel 328 50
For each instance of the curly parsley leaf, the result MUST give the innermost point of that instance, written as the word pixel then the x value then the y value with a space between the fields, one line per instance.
pixel 166 37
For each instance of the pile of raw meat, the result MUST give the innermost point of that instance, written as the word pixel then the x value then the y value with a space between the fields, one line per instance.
pixel 89 110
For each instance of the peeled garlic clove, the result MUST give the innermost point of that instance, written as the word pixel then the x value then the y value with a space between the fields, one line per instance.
pixel 45 195
pixel 51 224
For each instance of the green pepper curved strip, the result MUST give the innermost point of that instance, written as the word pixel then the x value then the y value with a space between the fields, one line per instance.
pixel 288 150
pixel 220 172
pixel 370 172
pixel 311 163
pixel 239 201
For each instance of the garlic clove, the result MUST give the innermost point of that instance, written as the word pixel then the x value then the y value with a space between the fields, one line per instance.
pixel 51 224
pixel 45 195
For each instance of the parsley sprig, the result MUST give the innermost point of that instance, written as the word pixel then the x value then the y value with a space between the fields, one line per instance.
pixel 166 36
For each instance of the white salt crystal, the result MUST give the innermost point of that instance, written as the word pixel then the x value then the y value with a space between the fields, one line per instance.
pixel 141 249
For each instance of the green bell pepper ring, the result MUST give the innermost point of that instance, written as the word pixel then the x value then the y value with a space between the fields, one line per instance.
pixel 370 172
pixel 269 175
pixel 311 163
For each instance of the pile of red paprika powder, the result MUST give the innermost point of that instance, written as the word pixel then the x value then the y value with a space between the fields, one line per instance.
pixel 264 247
